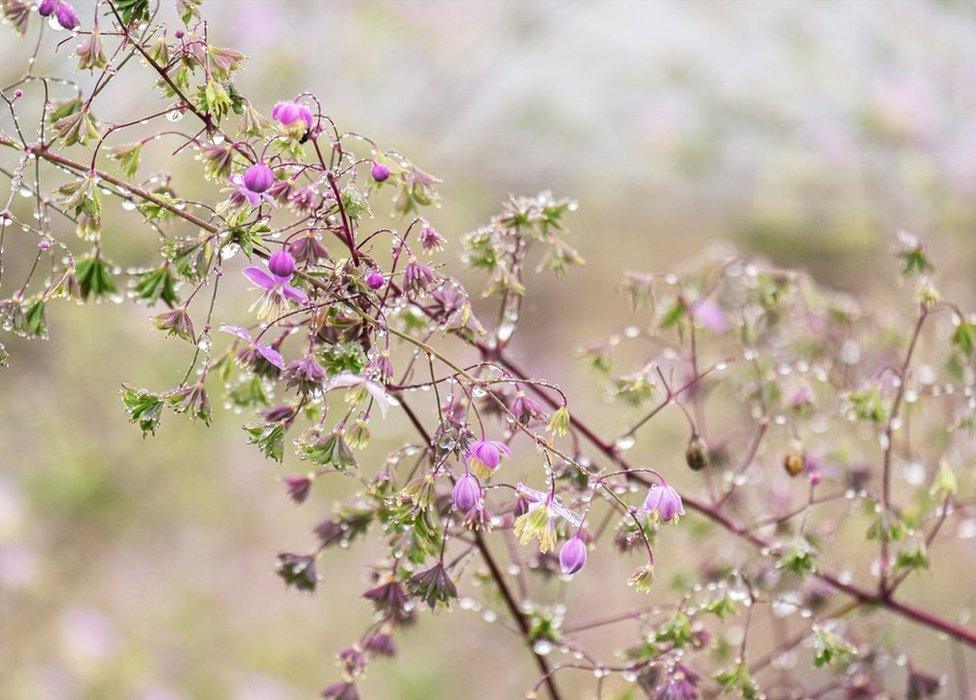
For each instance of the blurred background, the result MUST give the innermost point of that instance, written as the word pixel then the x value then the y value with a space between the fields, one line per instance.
pixel 806 132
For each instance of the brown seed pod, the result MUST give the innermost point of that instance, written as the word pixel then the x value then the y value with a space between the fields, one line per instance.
pixel 697 453
pixel 795 459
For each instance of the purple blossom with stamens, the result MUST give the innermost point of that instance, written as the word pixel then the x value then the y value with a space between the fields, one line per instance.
pixel 488 452
pixel 379 172
pixel 258 178
pixel 242 193
pixel 66 15
pixel 467 493
pixel 430 239
pixel 306 374
pixel 304 199
pixel 294 117
pixel 535 499
pixel 281 264
pixel 349 380
pixel 663 501
pixel 375 279
pixel 710 315
pixel 417 276
pixel 572 555
pixel 278 292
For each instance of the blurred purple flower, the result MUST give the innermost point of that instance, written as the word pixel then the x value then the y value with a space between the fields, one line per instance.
pixel 710 315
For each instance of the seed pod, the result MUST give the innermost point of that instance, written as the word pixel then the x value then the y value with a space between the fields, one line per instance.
pixel 795 459
pixel 697 453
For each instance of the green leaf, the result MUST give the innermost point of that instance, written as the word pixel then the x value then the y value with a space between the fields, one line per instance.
pixel 94 276
pixel 143 407
pixel 269 437
pixel 35 320
pixel 964 338
pixel 157 284
pixel 132 10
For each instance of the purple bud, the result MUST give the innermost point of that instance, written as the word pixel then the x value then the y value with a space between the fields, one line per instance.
pixel 380 172
pixel 67 17
pixel 258 178
pixel 282 264
pixel 572 556
pixel 664 502
pixel 298 487
pixel 18 93
pixel 466 493
pixel 180 34
pixel 47 7
pixel 375 279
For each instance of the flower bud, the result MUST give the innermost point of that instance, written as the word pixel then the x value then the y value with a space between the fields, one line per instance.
pixel 572 556
pixel 380 172
pixel 282 264
pixel 375 279
pixel 47 7
pixel 697 453
pixel 466 493
pixel 258 178
pixel 66 15
pixel 795 459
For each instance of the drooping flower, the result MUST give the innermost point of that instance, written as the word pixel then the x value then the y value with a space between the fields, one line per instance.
pixel 417 276
pixel 710 315
pixel 281 264
pixel 279 294
pixel 381 644
pixel 344 690
pixel 538 522
pixel 46 7
pixel 484 456
pixel 298 570
pixel 430 239
pixel 466 493
pixel 298 486
pixel 379 172
pixel 306 374
pixel 294 118
pixel 525 408
pixel 433 586
pixel 253 352
pixel 643 578
pixel 388 597
pixel 572 556
pixel 176 322
pixel 308 248
pixel 90 52
pixel 258 178
pixel 663 502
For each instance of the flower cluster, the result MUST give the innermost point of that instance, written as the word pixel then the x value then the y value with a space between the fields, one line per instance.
pixel 787 402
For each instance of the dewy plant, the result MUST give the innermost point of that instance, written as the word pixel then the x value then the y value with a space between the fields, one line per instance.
pixel 798 405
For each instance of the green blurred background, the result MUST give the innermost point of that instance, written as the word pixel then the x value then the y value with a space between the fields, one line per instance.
pixel 807 132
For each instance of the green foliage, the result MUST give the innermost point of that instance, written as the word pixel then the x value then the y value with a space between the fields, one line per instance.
pixel 143 407
pixel 157 284
pixel 94 276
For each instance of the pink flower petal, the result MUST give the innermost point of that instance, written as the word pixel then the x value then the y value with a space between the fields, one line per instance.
pixel 260 277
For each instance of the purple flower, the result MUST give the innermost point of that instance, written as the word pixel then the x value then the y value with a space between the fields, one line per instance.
pixel 306 374
pixel 278 293
pixel 298 487
pixel 417 276
pixel 466 493
pixel 710 315
pixel 294 117
pixel 430 239
pixel 374 389
pixel 242 193
pixel 47 7
pixel 525 408
pixel 381 644
pixel 345 690
pixel 66 15
pixel 485 455
pixel 375 279
pixel 308 249
pixel 572 556
pixel 281 412
pixel 387 597
pixel 663 501
pixel 254 350
pixel 258 178
pixel 281 264
pixel 380 172
pixel 298 570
